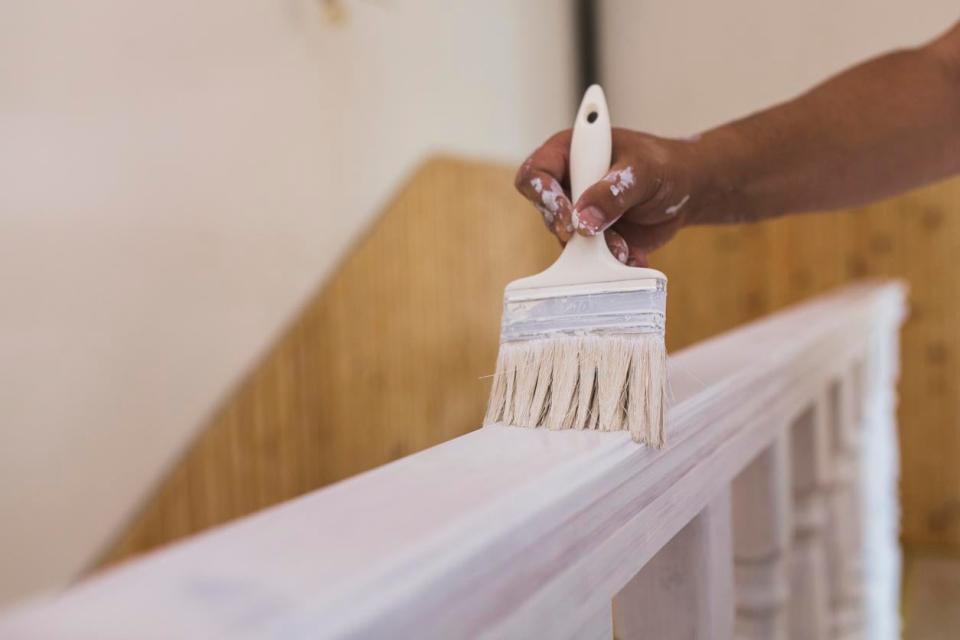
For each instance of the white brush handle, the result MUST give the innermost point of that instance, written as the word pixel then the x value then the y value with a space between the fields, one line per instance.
pixel 590 151
pixel 587 260
pixel 592 143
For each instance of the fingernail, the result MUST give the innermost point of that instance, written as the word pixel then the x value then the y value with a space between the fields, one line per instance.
pixel 617 245
pixel 563 226
pixel 589 221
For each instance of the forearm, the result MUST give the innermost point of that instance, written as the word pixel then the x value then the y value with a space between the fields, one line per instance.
pixel 882 127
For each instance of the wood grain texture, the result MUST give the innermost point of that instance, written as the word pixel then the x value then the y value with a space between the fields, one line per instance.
pixel 403 333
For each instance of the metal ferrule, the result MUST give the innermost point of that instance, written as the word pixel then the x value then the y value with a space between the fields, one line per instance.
pixel 529 317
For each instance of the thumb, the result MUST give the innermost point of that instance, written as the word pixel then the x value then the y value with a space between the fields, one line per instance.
pixel 625 186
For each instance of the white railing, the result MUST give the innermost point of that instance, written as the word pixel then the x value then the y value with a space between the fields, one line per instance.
pixel 757 520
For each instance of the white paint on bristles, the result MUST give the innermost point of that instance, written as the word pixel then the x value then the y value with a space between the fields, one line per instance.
pixel 606 383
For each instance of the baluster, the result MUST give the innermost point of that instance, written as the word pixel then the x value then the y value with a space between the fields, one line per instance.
pixel 762 531
pixel 809 588
pixel 844 548
pixel 857 395
pixel 686 590
pixel 879 488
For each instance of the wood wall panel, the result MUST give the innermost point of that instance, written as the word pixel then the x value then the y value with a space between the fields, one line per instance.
pixel 389 356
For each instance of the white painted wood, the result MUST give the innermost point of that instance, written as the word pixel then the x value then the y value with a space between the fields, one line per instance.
pixel 879 477
pixel 599 626
pixel 502 533
pixel 844 539
pixel 685 592
pixel 810 470
pixel 762 534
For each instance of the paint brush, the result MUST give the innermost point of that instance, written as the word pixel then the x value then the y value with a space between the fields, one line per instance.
pixel 582 343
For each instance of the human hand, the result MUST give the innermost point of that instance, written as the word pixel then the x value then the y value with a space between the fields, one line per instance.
pixel 649 193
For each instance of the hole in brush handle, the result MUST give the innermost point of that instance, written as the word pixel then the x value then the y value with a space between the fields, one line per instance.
pixel 590 144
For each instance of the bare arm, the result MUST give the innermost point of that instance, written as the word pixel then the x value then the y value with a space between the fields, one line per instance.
pixel 882 127
pixel 877 129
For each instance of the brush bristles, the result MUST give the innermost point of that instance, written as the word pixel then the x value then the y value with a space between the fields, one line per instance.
pixel 609 383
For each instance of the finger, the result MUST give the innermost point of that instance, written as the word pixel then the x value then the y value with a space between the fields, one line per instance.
pixel 540 178
pixel 617 245
pixel 625 186
pixel 637 258
pixel 645 238
pixel 665 207
pixel 551 158
pixel 553 204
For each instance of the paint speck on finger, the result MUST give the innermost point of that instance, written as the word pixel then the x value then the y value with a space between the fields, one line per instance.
pixel 620 181
pixel 552 197
pixel 549 217
pixel 672 211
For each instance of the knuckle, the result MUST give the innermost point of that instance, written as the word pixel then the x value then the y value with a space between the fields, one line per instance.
pixel 518 182
pixel 526 172
pixel 559 138
pixel 610 205
pixel 522 180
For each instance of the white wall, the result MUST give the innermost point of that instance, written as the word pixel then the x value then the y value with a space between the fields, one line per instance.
pixel 675 68
pixel 175 178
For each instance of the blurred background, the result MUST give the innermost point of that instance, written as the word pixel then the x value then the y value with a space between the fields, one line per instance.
pixel 251 248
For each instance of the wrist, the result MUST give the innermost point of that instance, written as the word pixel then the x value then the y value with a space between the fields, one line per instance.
pixel 718 163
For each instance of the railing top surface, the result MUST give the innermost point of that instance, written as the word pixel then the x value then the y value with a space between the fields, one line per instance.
pixel 487 531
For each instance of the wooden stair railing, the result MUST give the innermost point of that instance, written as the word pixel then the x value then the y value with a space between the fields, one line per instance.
pixel 752 521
